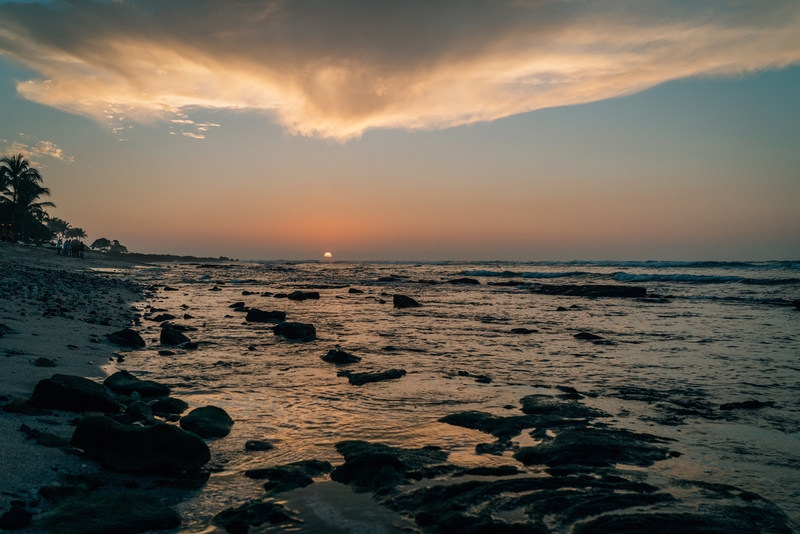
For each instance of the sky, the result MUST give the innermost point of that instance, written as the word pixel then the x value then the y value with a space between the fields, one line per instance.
pixel 413 129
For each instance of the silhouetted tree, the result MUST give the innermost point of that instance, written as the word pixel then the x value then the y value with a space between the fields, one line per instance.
pixel 21 187
pixel 58 227
pixel 102 244
pixel 75 233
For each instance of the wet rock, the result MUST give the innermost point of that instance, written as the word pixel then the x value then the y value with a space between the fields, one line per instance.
pixel 117 513
pixel 402 301
pixel 258 445
pixel 587 336
pixel 499 427
pixel 169 405
pixel 359 379
pixel 157 448
pixel 189 345
pixel 303 295
pixel 15 519
pixel 464 281
pixel 290 476
pixel 139 411
pixel 44 362
pixel 21 407
pixel 544 405
pixel 239 520
pixel 523 331
pixel 378 467
pixel 215 288
pixel 126 338
pixel 280 296
pixel 172 336
pixel 161 317
pixel 354 291
pixel 73 394
pixel 187 316
pixel 208 422
pixel 124 383
pixel 166 353
pixel 239 304
pixel 796 304
pixel 591 290
pixel 167 288
pixel 499 471
pixel 45 439
pixel 296 331
pixel 340 357
pixel 257 316
pixel 747 405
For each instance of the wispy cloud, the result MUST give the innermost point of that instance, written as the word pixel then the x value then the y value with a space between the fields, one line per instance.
pixel 34 150
pixel 338 68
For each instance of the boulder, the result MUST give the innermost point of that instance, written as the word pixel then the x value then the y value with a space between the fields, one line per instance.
pixel 73 394
pixel 208 422
pixel 296 331
pixel 171 336
pixel 303 295
pixel 126 338
pixel 402 301
pixel 258 316
pixel 124 383
pixel 359 379
pixel 15 519
pixel 253 514
pixel 290 476
pixel 157 448
pixel 340 357
pixel 168 406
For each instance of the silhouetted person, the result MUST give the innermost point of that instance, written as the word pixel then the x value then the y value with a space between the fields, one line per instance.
pixel 68 248
pixel 58 247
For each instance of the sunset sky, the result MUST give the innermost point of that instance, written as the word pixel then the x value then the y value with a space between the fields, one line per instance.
pixel 413 129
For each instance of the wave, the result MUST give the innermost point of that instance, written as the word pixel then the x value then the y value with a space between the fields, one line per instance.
pixel 512 274
pixel 700 279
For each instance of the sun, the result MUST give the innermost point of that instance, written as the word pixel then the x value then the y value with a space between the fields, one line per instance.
pixel 328 255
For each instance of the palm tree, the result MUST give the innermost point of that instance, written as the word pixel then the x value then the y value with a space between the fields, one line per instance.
pixel 21 188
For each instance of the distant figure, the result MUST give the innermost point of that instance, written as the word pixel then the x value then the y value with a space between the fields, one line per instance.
pixel 68 248
pixel 58 248
pixel 80 248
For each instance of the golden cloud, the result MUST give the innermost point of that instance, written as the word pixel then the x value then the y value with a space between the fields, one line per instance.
pixel 338 68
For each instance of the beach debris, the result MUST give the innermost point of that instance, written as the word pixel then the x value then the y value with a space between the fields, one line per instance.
pixel 126 338
pixel 239 520
pixel 208 422
pixel 354 291
pixel 587 336
pixel 296 331
pixel 258 445
pixel 590 290
pixel 122 512
pixel 157 448
pixel 258 316
pixel 340 357
pixel 403 301
pixel 124 383
pixel 460 281
pixel 15 519
pixel 170 405
pixel 73 394
pixel 290 476
pixel 44 362
pixel 747 405
pixel 303 295
pixel 170 335
pixel 359 379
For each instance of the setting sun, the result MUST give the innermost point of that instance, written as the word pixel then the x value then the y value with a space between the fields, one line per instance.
pixel 328 255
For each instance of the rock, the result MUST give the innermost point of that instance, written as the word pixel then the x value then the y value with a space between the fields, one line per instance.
pixel 464 281
pixel 591 290
pixel 167 406
pixel 504 428
pixel 290 476
pixel 359 379
pixel 44 362
pixel 161 317
pixel 253 514
pixel 354 291
pixel 257 316
pixel 157 448
pixel 746 405
pixel 186 316
pixel 126 338
pixel 215 288
pixel 587 336
pixel 303 295
pixel 189 345
pixel 796 304
pixel 15 519
pixel 21 407
pixel 139 411
pixel 167 288
pixel 402 301
pixel 166 353
pixel 116 513
pixel 124 383
pixel 239 304
pixel 45 439
pixel 522 331
pixel 258 445
pixel 280 296
pixel 208 422
pixel 296 331
pixel 73 394
pixel 171 336
pixel 340 357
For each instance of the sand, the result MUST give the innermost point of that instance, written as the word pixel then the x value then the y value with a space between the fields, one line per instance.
pixel 48 302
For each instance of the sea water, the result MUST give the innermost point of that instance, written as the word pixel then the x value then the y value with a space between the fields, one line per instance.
pixel 715 333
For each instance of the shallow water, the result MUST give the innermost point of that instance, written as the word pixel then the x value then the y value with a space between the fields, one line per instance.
pixel 725 334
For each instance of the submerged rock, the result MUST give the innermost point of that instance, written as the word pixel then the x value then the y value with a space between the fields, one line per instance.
pixel 257 316
pixel 258 445
pixel 340 357
pixel 239 520
pixel 126 338
pixel 747 405
pixel 296 331
pixel 402 301
pixel 303 295
pixel 591 290
pixel 172 336
pixel 124 383
pixel 359 379
pixel 587 336
pixel 73 394
pixel 117 513
pixel 523 331
pixel 290 476
pixel 157 448
pixel 208 422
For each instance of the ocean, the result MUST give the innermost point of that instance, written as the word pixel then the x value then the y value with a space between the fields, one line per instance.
pixel 707 334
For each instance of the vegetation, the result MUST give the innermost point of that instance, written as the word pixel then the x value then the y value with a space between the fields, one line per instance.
pixel 21 189
pixel 106 245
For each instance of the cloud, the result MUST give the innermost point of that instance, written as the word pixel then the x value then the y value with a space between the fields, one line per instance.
pixel 338 68
pixel 34 151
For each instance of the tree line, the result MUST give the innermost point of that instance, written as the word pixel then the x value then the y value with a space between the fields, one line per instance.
pixel 23 212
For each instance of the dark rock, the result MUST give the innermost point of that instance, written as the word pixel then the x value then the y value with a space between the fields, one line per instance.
pixel 483 379
pixel 523 331
pixel 303 295
pixel 280 296
pixel 124 383
pixel 587 336
pixel 296 331
pixel 208 422
pixel 591 290
pixel 561 309
pixel 500 427
pixel 169 405
pixel 354 291
pixel 172 336
pixel 402 301
pixel 215 288
pixel 189 345
pixel 246 293
pixel 166 353
pixel 126 338
pixel 21 407
pixel 509 283
pixel 116 513
pixel 796 304
pixel 464 281
pixel 157 448
pixel 139 411
pixel 253 514
pixel 257 316
pixel 161 317
pixel 499 471
pixel 239 304
pixel 167 288
pixel 187 316
pixel 44 362
pixel 45 439
pixel 359 379
pixel 73 394
pixel 15 519
pixel 258 445
pixel 340 357
pixel 746 405
pixel 290 476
